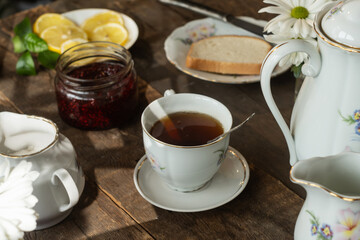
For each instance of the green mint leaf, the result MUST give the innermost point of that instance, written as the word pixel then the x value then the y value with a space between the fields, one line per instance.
pixel 48 58
pixel 19 46
pixel 34 43
pixel 25 64
pixel 23 28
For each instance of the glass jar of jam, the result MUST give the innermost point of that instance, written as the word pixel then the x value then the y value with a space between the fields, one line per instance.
pixel 96 86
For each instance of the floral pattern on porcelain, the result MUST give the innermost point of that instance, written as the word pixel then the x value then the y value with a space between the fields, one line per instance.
pixel 353 119
pixel 347 226
pixel 336 9
pixel 198 32
pixel 154 164
pixel 221 156
pixel 322 232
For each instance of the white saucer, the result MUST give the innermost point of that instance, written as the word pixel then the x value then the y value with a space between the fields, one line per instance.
pixel 179 41
pixel 80 15
pixel 227 183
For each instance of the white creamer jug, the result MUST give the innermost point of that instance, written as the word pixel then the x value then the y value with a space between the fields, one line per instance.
pixel 332 206
pixel 37 140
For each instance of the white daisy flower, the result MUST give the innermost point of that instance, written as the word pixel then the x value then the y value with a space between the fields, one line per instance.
pixel 295 58
pixel 297 15
pixel 16 200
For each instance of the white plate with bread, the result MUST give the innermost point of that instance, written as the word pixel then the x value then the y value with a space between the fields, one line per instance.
pixel 212 50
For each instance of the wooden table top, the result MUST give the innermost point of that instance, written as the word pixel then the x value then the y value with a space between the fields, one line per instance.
pixel 110 206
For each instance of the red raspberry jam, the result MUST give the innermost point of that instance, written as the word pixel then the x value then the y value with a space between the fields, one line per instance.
pixel 97 90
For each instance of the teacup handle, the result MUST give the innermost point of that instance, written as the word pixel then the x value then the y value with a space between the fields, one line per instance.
pixel 311 68
pixel 70 187
pixel 169 92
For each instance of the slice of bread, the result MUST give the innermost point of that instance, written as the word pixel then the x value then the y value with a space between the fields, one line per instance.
pixel 228 54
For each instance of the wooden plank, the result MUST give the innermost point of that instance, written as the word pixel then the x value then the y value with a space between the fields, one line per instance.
pixel 96 217
pixel 35 95
pixel 112 207
pixel 7 105
pixel 266 209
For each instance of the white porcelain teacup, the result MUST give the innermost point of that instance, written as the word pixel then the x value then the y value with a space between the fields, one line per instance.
pixel 185 168
pixel 37 140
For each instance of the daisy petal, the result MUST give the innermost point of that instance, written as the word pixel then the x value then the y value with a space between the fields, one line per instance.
pixel 285 27
pixel 273 10
pixel 287 24
pixel 16 200
pixel 279 3
pixel 297 27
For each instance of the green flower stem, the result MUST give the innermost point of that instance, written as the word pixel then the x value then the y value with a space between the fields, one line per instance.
pixel 348 119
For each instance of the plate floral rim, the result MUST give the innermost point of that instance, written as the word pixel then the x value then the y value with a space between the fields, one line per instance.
pixel 201 28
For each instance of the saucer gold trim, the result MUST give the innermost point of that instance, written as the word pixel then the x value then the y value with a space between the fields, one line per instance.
pixel 240 158
pixel 192 199
pixel 230 149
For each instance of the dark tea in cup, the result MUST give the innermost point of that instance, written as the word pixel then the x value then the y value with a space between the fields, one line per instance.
pixel 176 131
pixel 186 129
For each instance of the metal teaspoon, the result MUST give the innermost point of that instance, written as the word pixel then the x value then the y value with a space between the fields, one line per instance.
pixel 232 129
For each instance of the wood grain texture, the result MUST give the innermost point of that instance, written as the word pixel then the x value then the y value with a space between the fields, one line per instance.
pixel 110 207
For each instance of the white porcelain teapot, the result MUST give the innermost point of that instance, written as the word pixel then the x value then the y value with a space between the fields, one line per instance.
pixel 326 114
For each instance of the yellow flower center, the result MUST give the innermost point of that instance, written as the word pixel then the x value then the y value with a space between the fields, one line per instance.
pixel 299 12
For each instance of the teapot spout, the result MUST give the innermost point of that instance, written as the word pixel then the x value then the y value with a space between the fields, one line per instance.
pixel 338 175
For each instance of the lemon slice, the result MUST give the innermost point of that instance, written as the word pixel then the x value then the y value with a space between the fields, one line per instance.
pixel 100 19
pixel 50 19
pixel 56 35
pixel 111 32
pixel 70 43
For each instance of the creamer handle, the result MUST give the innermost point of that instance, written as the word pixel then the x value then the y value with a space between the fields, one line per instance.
pixel 65 178
pixel 311 68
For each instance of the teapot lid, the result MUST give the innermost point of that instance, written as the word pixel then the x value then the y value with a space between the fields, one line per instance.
pixel 342 23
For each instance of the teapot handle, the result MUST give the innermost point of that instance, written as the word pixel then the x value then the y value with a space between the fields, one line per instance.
pixel 73 193
pixel 310 68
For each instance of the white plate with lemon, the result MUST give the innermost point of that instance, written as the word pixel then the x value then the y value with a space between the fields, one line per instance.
pixel 62 31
